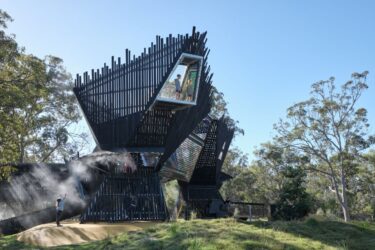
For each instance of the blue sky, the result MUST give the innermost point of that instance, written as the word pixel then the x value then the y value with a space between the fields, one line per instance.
pixel 264 54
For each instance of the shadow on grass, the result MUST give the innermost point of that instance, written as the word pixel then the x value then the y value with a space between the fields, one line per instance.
pixel 356 235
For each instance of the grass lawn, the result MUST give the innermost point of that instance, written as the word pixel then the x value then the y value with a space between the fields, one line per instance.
pixel 230 234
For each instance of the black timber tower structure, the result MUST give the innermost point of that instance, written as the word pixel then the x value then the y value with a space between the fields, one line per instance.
pixel 153 106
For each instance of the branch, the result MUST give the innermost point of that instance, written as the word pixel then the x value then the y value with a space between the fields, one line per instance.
pixel 318 170
pixel 52 150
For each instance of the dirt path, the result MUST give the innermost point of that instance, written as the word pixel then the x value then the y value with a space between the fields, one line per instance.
pixel 48 235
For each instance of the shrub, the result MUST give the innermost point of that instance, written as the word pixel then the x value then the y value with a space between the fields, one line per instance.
pixel 294 202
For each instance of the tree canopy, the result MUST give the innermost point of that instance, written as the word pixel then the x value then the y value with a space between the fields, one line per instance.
pixel 37 105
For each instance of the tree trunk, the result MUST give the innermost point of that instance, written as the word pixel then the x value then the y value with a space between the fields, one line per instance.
pixel 341 197
pixel 344 205
pixel 345 211
pixel 176 208
pixel 22 151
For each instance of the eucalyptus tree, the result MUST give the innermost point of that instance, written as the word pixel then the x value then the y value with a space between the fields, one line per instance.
pixel 331 131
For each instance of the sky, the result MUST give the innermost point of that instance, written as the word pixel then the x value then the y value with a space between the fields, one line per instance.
pixel 264 54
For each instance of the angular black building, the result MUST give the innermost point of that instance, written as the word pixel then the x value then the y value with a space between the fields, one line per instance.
pixel 154 106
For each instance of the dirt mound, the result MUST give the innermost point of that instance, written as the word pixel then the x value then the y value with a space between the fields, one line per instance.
pixel 48 235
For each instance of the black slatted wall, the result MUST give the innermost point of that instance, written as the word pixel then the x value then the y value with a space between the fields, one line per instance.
pixel 205 169
pixel 208 168
pixel 128 197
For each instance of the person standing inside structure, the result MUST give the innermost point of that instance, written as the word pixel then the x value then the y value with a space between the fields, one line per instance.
pixel 59 209
pixel 177 83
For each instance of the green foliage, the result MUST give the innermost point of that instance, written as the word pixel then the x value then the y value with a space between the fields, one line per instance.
pixel 51 138
pixel 294 202
pixel 8 46
pixel 362 189
pixel 268 170
pixel 240 186
pixel 20 92
pixel 37 106
pixel 325 201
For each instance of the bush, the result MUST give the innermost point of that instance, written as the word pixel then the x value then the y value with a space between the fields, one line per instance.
pixel 294 202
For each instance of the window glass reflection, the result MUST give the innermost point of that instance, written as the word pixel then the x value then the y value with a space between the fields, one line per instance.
pixel 182 84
